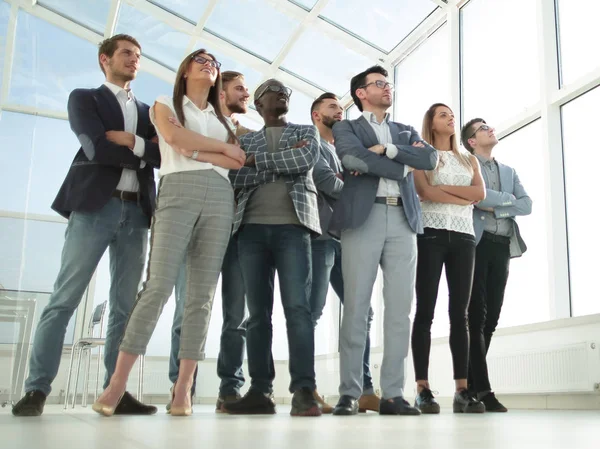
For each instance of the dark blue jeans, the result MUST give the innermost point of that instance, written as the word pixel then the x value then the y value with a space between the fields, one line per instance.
pixel 327 269
pixel 233 333
pixel 264 249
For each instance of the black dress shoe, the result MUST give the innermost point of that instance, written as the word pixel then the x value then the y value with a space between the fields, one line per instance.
pixel 465 403
pixel 131 406
pixel 426 402
pixel 492 404
pixel 32 404
pixel 347 405
pixel 397 406
pixel 253 403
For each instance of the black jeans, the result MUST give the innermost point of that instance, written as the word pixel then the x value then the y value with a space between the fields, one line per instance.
pixel 491 274
pixel 264 249
pixel 456 252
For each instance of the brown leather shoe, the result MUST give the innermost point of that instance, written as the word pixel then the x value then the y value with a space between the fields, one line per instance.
pixel 368 402
pixel 325 407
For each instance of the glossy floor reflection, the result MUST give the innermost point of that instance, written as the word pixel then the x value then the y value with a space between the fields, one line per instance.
pixel 83 429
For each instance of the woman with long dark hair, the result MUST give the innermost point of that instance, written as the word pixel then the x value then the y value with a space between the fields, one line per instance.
pixel 192 223
pixel 447 194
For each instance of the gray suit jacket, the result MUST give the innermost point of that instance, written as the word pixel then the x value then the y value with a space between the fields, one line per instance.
pixel 294 165
pixel 352 141
pixel 328 185
pixel 512 200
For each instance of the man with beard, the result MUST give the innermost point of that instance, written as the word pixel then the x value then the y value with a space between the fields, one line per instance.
pixel 277 214
pixel 108 197
pixel 234 100
pixel 326 250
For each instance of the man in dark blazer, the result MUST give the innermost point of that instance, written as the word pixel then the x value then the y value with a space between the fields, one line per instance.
pixel 108 197
pixel 276 217
pixel 378 215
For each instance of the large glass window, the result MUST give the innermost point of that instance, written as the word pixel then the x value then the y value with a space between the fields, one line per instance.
pixel 90 14
pixel 255 26
pixel 159 41
pixel 527 293
pixel 383 23
pixel 48 63
pixel 578 119
pixel 324 62
pixel 40 151
pixel 423 79
pixel 191 11
pixel 579 39
pixel 500 64
pixel 4 16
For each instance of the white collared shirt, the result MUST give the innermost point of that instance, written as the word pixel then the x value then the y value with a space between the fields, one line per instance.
pixel 387 187
pixel 202 121
pixel 129 181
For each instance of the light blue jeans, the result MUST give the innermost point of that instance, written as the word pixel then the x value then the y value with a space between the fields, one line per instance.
pixel 120 226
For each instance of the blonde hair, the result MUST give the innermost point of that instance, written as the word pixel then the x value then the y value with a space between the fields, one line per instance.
pixel 428 136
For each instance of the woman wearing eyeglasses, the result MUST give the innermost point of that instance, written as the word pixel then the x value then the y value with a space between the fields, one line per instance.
pixel 192 223
pixel 447 194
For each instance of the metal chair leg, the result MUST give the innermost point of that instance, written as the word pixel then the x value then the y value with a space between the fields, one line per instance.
pixel 80 349
pixel 68 388
pixel 140 392
pixel 98 372
pixel 86 376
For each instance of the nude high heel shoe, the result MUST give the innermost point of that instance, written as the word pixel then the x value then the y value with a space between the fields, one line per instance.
pixel 105 409
pixel 181 410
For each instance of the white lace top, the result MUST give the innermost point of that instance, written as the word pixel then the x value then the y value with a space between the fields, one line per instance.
pixel 451 217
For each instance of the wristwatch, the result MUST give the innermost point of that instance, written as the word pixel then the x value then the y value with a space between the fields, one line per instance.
pixel 195 154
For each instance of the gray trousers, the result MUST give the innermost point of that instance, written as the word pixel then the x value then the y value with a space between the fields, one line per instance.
pixel 192 223
pixel 384 239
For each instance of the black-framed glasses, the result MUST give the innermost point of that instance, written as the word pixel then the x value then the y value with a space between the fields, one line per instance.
pixel 481 128
pixel 275 88
pixel 381 84
pixel 202 60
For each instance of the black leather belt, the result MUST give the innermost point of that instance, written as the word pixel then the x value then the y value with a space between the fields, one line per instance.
pixel 389 200
pixel 496 238
pixel 126 196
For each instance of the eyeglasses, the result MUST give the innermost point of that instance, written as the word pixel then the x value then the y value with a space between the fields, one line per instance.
pixel 481 128
pixel 202 60
pixel 275 88
pixel 381 84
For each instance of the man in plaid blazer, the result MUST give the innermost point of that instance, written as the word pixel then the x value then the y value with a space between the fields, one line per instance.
pixel 277 214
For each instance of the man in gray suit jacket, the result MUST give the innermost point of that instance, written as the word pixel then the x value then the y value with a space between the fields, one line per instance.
pixel 498 239
pixel 378 216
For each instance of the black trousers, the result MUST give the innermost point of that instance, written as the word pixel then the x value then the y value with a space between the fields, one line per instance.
pixel 491 274
pixel 456 252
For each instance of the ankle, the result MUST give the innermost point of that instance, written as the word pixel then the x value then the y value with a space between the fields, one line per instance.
pixel 421 386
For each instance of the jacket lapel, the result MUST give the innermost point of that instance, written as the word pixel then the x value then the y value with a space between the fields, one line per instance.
pixel 115 108
pixel 142 124
pixel 372 137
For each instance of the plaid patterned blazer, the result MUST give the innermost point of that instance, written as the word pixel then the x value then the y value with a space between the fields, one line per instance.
pixel 294 165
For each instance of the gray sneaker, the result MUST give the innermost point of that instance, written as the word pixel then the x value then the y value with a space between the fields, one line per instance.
pixel 465 403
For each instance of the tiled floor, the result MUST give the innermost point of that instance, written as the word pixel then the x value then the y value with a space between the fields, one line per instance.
pixel 83 429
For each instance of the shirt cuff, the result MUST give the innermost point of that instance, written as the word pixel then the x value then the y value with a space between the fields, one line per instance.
pixel 392 150
pixel 139 149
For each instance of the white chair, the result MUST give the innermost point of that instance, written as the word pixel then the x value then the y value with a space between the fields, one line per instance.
pixel 84 346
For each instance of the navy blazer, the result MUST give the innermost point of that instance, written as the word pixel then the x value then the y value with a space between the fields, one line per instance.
pixel 353 138
pixel 96 169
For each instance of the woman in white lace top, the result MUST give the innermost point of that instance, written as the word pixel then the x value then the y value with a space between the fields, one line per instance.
pixel 447 194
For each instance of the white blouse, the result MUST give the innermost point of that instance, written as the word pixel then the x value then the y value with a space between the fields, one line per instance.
pixel 452 217
pixel 204 122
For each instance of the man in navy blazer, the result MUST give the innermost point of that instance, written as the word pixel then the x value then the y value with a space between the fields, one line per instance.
pixel 378 216
pixel 108 197
pixel 498 240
